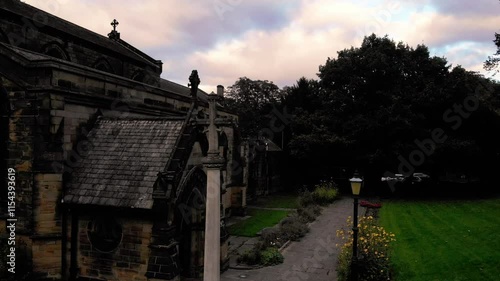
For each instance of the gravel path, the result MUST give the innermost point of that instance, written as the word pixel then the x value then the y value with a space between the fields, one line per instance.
pixel 313 258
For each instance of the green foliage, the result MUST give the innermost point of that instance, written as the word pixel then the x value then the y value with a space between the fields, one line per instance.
pixel 292 228
pixel 309 213
pixel 271 256
pixel 325 193
pixel 250 257
pixel 493 61
pixel 373 251
pixel 260 255
pixel 372 102
pixel 252 100
pixel 444 239
pixel 305 199
pixel 271 237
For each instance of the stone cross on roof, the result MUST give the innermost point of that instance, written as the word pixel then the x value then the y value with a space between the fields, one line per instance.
pixel 114 34
pixel 114 23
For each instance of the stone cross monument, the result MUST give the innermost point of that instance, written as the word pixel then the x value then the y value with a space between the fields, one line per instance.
pixel 213 163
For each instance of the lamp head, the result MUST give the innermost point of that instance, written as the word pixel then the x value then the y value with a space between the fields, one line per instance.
pixel 356 182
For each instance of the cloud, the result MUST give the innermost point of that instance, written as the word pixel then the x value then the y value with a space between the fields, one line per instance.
pixel 282 40
pixel 466 7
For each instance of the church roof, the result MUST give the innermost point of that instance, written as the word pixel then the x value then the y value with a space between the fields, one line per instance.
pixel 50 21
pixel 165 85
pixel 182 90
pixel 121 164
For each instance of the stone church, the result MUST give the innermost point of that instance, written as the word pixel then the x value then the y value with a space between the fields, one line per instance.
pixel 108 156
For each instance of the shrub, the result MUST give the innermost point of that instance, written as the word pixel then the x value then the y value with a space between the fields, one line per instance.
pixel 271 237
pixel 293 229
pixel 305 215
pixel 250 257
pixel 325 193
pixel 271 256
pixel 260 254
pixel 373 251
pixel 306 199
pixel 309 213
pixel 315 209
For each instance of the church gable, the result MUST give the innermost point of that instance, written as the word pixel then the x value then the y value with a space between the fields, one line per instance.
pixel 122 163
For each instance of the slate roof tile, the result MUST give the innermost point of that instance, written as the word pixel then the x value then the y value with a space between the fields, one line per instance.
pixel 105 176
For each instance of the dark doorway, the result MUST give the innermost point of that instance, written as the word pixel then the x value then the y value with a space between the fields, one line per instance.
pixel 190 219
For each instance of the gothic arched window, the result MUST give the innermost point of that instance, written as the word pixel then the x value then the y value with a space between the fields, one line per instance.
pixel 54 50
pixel 103 65
pixel 139 76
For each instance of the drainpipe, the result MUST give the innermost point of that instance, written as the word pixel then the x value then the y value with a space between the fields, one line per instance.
pixel 73 269
pixel 64 241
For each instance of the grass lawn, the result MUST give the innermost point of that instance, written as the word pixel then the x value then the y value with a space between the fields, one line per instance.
pixel 279 201
pixel 260 219
pixel 444 240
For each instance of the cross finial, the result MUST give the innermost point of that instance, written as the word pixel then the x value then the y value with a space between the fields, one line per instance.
pixel 114 23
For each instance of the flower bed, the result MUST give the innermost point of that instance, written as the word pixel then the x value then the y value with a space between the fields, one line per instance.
pixel 373 251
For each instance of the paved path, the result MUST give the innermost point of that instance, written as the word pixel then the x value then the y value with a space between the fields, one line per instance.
pixel 313 258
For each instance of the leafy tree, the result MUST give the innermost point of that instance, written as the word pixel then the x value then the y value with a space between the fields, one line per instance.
pixel 373 103
pixel 493 61
pixel 253 100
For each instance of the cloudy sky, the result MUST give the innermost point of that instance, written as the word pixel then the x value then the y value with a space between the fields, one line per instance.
pixel 282 40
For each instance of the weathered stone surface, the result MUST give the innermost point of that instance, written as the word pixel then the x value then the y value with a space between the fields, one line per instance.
pixel 127 262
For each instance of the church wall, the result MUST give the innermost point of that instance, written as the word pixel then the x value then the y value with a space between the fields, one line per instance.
pixel 129 261
pixel 19 149
pixel 122 92
pixel 43 132
pixel 47 256
pixel 20 156
pixel 46 248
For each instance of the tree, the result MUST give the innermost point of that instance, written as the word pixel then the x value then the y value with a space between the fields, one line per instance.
pixel 378 102
pixel 493 61
pixel 253 101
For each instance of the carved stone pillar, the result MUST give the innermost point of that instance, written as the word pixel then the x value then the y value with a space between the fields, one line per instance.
pixel 213 164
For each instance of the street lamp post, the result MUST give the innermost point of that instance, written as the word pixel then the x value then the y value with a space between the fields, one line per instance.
pixel 356 183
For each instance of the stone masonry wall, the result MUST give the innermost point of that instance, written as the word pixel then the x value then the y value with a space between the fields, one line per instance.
pixel 127 262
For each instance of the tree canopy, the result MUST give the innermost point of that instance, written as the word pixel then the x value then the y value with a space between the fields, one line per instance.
pixel 253 100
pixel 379 105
